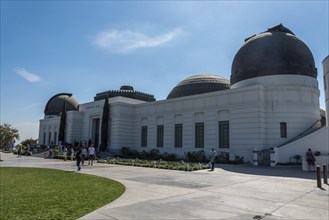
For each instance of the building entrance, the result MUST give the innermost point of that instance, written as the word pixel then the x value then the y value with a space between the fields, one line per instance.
pixel 264 157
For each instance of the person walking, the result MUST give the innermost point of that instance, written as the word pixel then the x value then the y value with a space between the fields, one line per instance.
pixel 310 158
pixel 78 158
pixel 212 155
pixel 91 151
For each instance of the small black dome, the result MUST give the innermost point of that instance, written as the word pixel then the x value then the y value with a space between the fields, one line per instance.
pixel 199 84
pixel 125 87
pixel 274 52
pixel 55 104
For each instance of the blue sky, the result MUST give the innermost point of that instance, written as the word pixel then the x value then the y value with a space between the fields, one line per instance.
pixel 86 47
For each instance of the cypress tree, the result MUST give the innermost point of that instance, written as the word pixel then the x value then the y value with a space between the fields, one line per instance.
pixel 105 125
pixel 61 133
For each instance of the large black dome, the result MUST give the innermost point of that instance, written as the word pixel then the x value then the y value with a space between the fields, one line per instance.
pixel 56 103
pixel 274 52
pixel 199 84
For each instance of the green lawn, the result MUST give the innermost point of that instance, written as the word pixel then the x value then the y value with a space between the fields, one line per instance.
pixel 32 193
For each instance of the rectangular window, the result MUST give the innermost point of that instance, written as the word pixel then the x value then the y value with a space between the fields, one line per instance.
pixel 224 134
pixel 178 135
pixel 44 138
pixel 144 136
pixel 199 135
pixel 160 135
pixel 283 129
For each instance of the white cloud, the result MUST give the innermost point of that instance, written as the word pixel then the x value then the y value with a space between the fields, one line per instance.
pixel 128 41
pixel 26 75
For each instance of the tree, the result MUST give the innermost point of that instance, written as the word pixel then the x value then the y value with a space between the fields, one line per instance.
pixel 61 133
pixel 105 125
pixel 29 141
pixel 8 135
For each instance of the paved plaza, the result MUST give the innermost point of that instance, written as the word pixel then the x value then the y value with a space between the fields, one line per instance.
pixel 230 192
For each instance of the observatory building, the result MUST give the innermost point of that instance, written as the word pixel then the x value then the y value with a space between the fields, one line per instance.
pixel 270 106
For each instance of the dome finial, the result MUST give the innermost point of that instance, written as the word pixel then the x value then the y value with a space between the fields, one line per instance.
pixel 280 28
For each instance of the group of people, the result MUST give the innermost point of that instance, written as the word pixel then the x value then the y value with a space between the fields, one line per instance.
pixel 20 151
pixel 83 153
pixel 80 156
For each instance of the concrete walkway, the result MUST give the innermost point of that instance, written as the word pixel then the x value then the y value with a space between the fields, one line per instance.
pixel 230 192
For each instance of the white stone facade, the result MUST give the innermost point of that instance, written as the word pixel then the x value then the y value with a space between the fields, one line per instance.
pixel 254 113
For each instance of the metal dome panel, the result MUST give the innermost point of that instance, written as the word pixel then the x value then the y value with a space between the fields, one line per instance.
pixel 274 52
pixel 199 84
pixel 55 104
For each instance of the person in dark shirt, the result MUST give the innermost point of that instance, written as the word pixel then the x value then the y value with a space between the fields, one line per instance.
pixel 78 158
pixel 310 159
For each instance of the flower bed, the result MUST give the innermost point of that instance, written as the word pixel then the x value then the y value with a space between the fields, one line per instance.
pixel 160 164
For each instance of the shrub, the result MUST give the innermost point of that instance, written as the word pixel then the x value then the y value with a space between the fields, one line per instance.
pixel 129 153
pixel 239 160
pixel 196 156
pixel 56 149
pixel 160 164
pixel 43 146
pixel 169 156
pixel 154 154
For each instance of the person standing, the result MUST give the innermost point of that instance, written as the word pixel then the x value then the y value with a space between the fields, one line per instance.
pixel 91 151
pixel 78 158
pixel 50 154
pixel 19 151
pixel 212 155
pixel 84 154
pixel 310 158
pixel 72 153
pixel 65 153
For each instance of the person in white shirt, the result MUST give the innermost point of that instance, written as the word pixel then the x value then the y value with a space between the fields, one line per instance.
pixel 91 151
pixel 65 153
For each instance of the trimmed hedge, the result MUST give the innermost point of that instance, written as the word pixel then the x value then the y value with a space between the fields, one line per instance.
pixel 191 156
pixel 160 164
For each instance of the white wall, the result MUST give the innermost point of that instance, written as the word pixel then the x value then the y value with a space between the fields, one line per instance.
pixel 74 126
pixel 49 125
pixel 317 141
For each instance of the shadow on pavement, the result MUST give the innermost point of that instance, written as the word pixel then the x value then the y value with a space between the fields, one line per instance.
pixel 292 172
